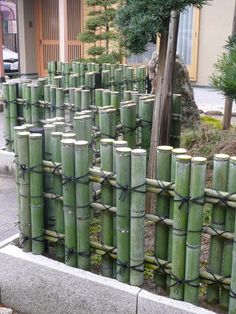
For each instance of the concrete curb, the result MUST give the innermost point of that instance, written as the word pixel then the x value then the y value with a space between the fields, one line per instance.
pixel 53 287
pixel 7 162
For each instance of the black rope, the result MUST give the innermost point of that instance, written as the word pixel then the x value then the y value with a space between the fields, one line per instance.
pixel 161 266
pixel 218 282
pixel 178 281
pixel 24 169
pixel 107 177
pixel 66 179
pixel 223 200
pixel 164 188
pixel 232 294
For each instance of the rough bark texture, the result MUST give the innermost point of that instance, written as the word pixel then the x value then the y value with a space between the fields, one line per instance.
pixel 182 85
pixel 228 101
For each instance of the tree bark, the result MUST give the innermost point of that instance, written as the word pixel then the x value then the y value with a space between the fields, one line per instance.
pixel 162 108
pixel 228 101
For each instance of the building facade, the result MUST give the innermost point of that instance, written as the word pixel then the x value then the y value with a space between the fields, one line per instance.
pixel 48 30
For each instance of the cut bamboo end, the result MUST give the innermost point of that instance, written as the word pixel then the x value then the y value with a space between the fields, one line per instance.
pixel 177 151
pixel 28 126
pixel 35 136
pixel 58 123
pixel 120 143
pixel 49 126
pixel 69 135
pixel 82 117
pixel 20 128
pixel 184 158
pixel 23 134
pixel 106 141
pixel 130 105
pixel 68 142
pixel 232 160
pixel 199 160
pixel 221 157
pixel 56 134
pixel 125 151
pixel 164 148
pixel 139 152
pixel 81 143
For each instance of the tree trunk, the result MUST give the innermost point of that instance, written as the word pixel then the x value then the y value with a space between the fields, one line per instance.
pixel 158 90
pixel 228 101
pixel 162 108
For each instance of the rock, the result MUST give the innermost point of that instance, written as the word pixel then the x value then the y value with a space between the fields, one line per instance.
pixel 214 113
pixel 4 310
pixel 182 85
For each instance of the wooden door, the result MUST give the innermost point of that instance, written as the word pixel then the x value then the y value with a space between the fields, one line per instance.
pixel 74 17
pixel 47 14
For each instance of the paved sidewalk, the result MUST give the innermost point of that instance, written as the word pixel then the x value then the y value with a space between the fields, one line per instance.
pixel 8 211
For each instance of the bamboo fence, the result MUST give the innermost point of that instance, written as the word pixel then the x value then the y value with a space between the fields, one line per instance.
pixel 115 190
pixel 113 96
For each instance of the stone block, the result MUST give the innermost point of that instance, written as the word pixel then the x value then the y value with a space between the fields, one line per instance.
pixel 155 304
pixel 36 284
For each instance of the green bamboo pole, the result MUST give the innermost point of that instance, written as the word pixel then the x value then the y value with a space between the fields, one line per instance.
pixel 77 99
pixel 130 78
pixel 48 177
pixel 123 184
pixel 13 111
pixel 7 127
pixel 118 80
pixel 17 129
pixel 146 114
pixel 162 210
pixel 72 136
pixel 25 217
pixel 73 80
pixel 69 201
pixel 115 100
pixel 175 152
pixel 59 126
pixel 176 121
pixel 82 204
pixel 72 103
pixel 56 138
pixel 36 192
pixel 220 178
pixel 141 76
pixel 60 111
pixel 107 198
pixel 106 98
pixel 231 263
pixel 27 105
pixel 182 180
pixel 106 78
pixel 58 81
pixel 229 227
pixel 82 73
pixel 53 90
pixel 66 68
pixel 127 95
pixel 195 219
pixel 128 121
pixel 138 196
pixel 107 122
pixel 85 99
pixel 116 144
pixel 35 106
pixel 19 104
pixel 47 110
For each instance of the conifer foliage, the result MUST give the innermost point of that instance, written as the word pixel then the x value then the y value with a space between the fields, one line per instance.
pixel 99 31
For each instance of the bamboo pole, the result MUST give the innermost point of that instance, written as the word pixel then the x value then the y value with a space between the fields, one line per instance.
pixel 53 90
pixel 36 192
pixel 107 198
pixel 69 200
pixel 137 210
pixel 85 99
pixel 176 121
pixel 69 136
pixel 106 98
pixel 175 152
pixel 25 217
pixel 60 111
pixel 27 105
pixel 162 210
pixel 194 232
pixel 77 99
pixel 56 138
pixel 182 180
pixel 146 113
pixel 59 126
pixel 107 122
pixel 7 127
pixel 128 121
pixel 35 106
pixel 82 204
pixel 220 178
pixel 141 76
pixel 47 110
pixel 229 227
pixel 13 112
pixel 17 129
pixel 123 183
